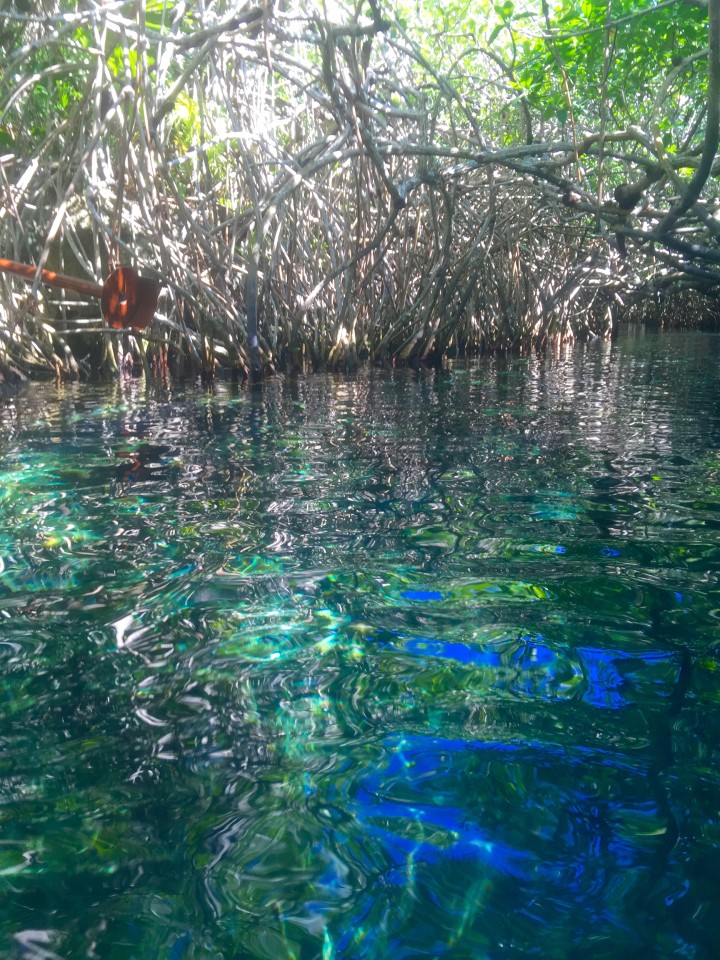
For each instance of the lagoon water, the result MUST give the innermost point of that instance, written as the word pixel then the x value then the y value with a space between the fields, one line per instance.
pixel 394 665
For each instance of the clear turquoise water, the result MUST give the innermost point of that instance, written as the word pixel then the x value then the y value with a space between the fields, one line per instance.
pixel 388 666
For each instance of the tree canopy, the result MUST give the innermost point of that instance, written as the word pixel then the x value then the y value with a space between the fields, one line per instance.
pixel 323 183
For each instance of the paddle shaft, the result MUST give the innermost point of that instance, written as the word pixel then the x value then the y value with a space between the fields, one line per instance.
pixel 52 279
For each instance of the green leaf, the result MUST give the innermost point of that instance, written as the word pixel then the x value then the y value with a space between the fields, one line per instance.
pixel 496 31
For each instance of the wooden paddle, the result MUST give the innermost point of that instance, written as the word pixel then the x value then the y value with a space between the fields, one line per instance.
pixel 126 299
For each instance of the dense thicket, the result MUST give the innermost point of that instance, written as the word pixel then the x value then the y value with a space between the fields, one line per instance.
pixel 325 183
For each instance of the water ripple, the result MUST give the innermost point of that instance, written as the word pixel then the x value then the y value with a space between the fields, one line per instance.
pixel 401 664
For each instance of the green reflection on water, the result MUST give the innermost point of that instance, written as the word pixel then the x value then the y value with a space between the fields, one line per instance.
pixel 353 667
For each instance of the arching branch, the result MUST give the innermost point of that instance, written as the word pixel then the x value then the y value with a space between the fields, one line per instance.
pixel 712 127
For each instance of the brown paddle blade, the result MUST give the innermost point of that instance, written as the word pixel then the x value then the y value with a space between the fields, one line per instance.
pixel 126 299
pixel 129 300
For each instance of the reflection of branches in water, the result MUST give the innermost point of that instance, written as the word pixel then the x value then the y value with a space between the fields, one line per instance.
pixel 143 461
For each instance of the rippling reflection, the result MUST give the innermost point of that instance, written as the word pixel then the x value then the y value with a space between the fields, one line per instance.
pixel 396 665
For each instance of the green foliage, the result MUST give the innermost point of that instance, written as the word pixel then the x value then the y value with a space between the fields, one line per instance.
pixel 629 46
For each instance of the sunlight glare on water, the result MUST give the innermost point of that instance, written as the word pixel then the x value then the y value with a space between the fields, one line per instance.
pixel 388 665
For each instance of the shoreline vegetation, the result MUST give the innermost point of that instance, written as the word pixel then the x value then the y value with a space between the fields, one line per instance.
pixel 321 186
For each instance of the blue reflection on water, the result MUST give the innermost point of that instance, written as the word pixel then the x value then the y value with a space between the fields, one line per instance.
pixel 613 675
pixel 422 595
pixel 432 807
pixel 613 678
pixel 461 652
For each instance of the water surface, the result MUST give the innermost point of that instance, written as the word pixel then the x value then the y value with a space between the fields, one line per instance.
pixel 395 665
